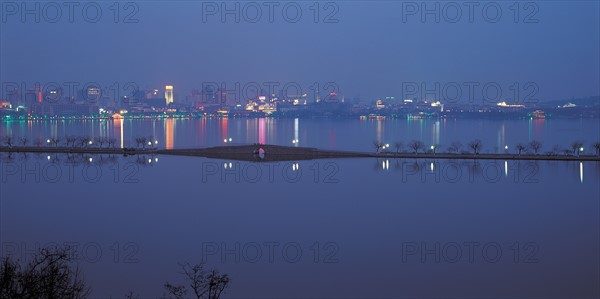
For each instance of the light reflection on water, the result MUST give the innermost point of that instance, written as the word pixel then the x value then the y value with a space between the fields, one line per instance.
pixel 348 134
pixel 375 212
pixel 370 209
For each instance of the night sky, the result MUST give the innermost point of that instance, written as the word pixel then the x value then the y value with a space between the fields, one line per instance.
pixel 368 48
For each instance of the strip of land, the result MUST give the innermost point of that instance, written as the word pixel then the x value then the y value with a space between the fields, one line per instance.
pixel 270 153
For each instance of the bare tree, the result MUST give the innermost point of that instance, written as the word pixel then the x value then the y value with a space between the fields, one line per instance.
pixel 8 140
pixel 209 285
pixel 535 146
pixel 100 141
pixel 596 147
pixel 39 143
pixel 555 150
pixel 23 141
pixel 70 140
pixel 475 145
pixel 50 274
pixel 55 141
pixel 576 146
pixel 378 146
pixel 521 147
pixel 111 142
pixel 455 147
pixel 83 141
pixel 399 146
pixel 434 148
pixel 141 141
pixel 416 145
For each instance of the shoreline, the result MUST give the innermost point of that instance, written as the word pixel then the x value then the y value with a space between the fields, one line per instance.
pixel 284 153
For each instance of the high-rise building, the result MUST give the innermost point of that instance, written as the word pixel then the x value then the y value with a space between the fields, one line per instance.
pixel 169 94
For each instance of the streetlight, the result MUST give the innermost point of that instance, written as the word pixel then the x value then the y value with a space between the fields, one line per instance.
pixel 156 142
pixel 48 141
pixel 230 139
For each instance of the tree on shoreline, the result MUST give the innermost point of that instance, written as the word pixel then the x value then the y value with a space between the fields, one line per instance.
pixel 521 147
pixel 475 145
pixel 111 142
pixel 535 146
pixel 8 140
pixel 416 145
pixel 399 146
pixel 455 147
pixel 596 147
pixel 378 145
pixel 576 146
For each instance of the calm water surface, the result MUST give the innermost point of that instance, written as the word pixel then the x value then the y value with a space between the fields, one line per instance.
pixel 326 228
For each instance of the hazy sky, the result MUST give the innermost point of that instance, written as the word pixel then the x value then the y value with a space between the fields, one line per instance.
pixel 369 52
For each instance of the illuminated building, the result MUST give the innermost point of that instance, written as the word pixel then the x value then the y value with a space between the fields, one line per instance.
pixel 5 104
pixel 538 114
pixel 169 94
pixel 93 94
pixel 504 104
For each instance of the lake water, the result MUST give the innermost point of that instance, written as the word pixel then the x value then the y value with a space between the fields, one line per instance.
pixel 324 228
